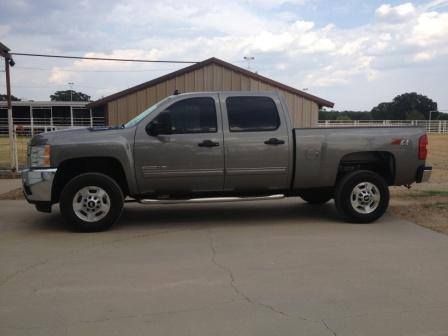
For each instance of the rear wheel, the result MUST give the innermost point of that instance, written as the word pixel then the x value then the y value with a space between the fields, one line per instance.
pixel 91 202
pixel 362 196
pixel 316 196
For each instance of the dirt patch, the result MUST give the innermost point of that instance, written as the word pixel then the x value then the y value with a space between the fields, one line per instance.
pixel 428 208
pixel 427 203
pixel 15 194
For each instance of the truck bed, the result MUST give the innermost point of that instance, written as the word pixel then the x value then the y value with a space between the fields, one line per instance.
pixel 319 152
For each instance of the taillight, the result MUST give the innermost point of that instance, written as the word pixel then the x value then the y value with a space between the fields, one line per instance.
pixel 422 147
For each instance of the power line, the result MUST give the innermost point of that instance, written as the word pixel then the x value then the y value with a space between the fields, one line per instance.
pixel 104 58
pixel 73 70
pixel 49 87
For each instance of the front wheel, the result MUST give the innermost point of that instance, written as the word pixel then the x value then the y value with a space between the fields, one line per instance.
pixel 362 196
pixel 91 202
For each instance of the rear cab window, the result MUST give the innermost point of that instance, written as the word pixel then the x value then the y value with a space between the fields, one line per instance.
pixel 252 114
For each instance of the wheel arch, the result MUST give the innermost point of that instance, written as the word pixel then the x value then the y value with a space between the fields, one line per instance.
pixel 380 162
pixel 70 168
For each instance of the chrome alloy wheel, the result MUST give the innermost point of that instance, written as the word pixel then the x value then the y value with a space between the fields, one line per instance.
pixel 365 197
pixel 91 204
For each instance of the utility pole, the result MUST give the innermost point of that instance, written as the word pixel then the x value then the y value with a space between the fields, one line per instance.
pixel 4 52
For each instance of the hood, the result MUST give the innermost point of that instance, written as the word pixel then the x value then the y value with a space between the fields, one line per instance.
pixel 74 135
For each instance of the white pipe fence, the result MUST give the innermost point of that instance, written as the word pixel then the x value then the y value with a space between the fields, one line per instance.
pixel 433 126
pixel 23 132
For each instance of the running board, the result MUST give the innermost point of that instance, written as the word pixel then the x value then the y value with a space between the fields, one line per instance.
pixel 211 199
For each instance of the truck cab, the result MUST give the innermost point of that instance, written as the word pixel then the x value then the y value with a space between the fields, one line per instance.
pixel 212 143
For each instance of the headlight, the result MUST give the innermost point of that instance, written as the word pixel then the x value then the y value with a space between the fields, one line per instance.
pixel 40 156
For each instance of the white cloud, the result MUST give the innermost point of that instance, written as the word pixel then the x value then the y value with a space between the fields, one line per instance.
pixel 4 29
pixel 388 12
pixel 423 56
pixel 431 28
pixel 328 59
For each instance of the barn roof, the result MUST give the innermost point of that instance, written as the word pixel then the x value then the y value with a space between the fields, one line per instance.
pixel 209 61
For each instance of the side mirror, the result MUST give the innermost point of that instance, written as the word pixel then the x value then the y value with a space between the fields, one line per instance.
pixel 160 125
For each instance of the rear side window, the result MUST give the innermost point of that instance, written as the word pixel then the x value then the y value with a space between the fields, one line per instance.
pixel 193 115
pixel 252 114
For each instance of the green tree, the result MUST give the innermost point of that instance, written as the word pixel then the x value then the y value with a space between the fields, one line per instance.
pixel 351 115
pixel 4 97
pixel 69 95
pixel 343 117
pixel 406 106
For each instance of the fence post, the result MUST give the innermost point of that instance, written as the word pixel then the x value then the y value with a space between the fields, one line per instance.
pixel 15 150
pixel 32 121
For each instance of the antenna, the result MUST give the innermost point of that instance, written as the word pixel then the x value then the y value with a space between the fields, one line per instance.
pixel 248 59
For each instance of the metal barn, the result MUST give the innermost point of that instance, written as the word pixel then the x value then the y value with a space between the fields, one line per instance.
pixel 210 75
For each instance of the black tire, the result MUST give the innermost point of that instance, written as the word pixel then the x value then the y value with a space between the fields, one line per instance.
pixel 360 212
pixel 112 201
pixel 316 196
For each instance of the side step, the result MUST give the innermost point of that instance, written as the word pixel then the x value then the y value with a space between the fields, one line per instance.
pixel 210 199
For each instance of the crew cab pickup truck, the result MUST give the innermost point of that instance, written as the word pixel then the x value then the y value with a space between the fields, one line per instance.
pixel 219 146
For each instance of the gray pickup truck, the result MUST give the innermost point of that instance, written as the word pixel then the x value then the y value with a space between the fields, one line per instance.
pixel 219 146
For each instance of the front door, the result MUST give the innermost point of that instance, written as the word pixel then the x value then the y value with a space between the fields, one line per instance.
pixel 257 145
pixel 181 149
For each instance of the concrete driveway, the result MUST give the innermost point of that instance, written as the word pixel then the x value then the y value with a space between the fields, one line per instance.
pixel 265 268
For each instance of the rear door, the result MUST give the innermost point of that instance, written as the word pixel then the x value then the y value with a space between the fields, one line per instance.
pixel 257 144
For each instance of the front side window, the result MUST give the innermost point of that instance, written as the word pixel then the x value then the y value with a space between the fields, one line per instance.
pixel 252 114
pixel 191 115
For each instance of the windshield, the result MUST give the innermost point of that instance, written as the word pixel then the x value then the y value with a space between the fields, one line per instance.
pixel 134 121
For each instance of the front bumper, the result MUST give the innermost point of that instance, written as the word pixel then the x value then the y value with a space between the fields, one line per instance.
pixel 37 184
pixel 424 174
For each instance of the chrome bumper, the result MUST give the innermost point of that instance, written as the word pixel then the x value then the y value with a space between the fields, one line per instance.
pixel 424 174
pixel 37 184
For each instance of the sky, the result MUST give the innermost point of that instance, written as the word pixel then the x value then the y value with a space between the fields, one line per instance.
pixel 354 53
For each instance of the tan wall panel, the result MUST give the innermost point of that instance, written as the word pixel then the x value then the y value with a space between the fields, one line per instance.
pixel 314 114
pixel 148 98
pixel 189 82
pixel 306 111
pixel 299 111
pixel 295 108
pixel 290 103
pixel 180 83
pixel 226 80
pixel 161 91
pixel 132 106
pixel 170 86
pixel 217 77
pixel 264 87
pixel 254 85
pixel 245 83
pixel 208 78
pixel 235 79
pixel 199 80
pixel 122 108
pixel 141 101
pixel 112 112
pixel 152 95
